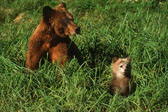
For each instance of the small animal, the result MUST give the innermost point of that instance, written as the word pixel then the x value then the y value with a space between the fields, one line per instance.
pixel 52 36
pixel 121 69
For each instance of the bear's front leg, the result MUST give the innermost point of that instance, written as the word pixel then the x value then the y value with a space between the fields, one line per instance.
pixel 35 52
pixel 59 54
pixel 33 59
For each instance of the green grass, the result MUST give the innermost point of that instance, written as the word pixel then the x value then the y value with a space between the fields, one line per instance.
pixel 108 29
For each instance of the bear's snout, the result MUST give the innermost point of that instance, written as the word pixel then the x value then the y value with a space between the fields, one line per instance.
pixel 77 30
pixel 73 29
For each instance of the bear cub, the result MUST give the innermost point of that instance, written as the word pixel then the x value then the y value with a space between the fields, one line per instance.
pixel 52 36
pixel 121 81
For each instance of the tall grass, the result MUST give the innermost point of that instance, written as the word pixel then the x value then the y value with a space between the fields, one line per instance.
pixel 108 28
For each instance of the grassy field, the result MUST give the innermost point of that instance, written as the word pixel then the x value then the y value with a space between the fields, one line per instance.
pixel 108 28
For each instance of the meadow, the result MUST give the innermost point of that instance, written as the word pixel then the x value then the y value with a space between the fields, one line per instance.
pixel 108 28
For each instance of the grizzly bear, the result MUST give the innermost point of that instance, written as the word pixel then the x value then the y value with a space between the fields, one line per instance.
pixel 52 36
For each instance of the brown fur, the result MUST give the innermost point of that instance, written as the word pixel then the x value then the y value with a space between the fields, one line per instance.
pixel 52 36
pixel 121 80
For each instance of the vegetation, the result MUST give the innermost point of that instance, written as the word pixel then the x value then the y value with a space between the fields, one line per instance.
pixel 108 28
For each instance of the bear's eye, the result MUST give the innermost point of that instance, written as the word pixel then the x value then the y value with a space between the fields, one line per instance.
pixel 61 30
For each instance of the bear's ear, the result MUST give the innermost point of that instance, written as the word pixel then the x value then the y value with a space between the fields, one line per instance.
pixel 114 59
pixel 62 5
pixel 47 12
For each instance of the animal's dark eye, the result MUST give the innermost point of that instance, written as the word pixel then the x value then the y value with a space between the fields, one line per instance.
pixel 61 30
pixel 121 66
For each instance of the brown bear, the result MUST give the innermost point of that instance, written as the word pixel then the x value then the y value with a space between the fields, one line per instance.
pixel 52 36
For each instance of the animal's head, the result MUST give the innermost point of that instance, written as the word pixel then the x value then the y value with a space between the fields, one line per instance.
pixel 60 20
pixel 121 66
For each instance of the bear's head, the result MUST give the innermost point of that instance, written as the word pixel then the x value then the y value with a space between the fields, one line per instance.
pixel 60 20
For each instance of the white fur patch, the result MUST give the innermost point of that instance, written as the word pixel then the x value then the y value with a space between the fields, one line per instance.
pixel 120 75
